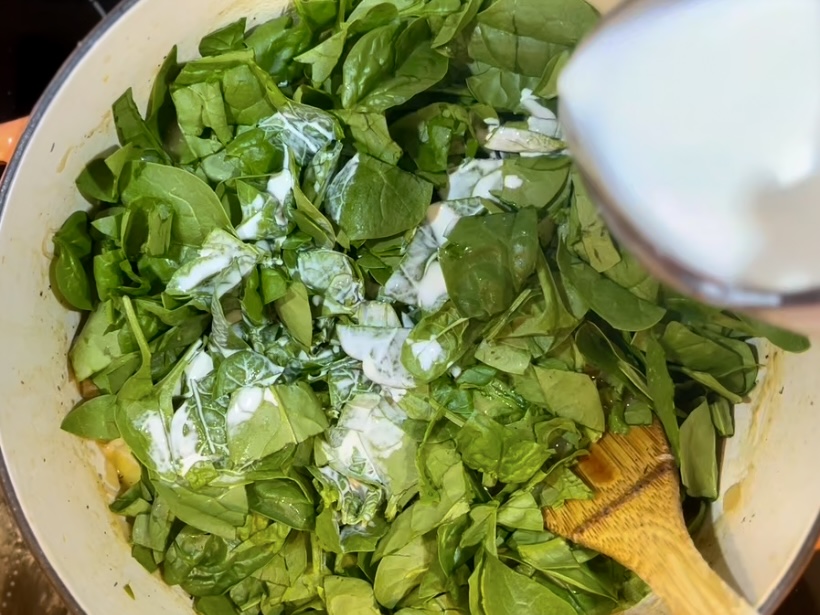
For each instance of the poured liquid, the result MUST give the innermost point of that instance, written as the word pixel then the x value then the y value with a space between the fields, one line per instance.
pixel 702 119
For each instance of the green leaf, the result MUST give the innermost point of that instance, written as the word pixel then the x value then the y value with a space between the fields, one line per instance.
pixel 276 43
pixel 503 591
pixel 698 454
pixel 197 209
pixel 431 135
pixel 72 246
pixel 318 13
pixel 598 245
pixel 506 358
pixel 455 489
pixel 151 530
pixel 791 342
pixel 562 484
pixel 534 182
pixel 213 510
pixel 308 218
pixel 302 129
pixel 400 572
pixel 97 183
pixel 228 38
pixel 482 528
pixel 556 560
pixel 570 395
pixel 456 22
pixel 712 383
pixel 274 284
pixel 662 392
pixel 214 605
pixel 606 356
pixel 320 171
pixel 722 417
pixel 133 130
pixel 210 565
pixel 294 311
pixel 345 595
pixel 615 304
pixel 499 88
pixel 490 447
pixel 487 259
pixel 435 343
pixel 387 67
pixel 369 199
pixel 283 500
pixel 370 134
pixel 245 368
pixel 263 421
pixel 521 512
pixel 324 57
pixel 94 419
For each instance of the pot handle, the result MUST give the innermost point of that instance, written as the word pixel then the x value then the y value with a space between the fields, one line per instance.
pixel 10 133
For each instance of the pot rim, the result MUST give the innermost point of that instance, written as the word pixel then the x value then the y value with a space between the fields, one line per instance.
pixel 86 46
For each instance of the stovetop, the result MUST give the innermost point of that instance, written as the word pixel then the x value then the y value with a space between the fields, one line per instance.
pixel 35 37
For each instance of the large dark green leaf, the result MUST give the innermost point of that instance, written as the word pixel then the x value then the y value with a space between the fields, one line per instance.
pixel 370 199
pixel 487 259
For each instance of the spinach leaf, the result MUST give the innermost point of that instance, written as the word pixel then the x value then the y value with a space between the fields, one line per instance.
pixel 502 591
pixel 612 302
pixel 94 419
pixel 562 484
pixel 345 595
pixel 369 199
pixel 400 572
pixel 435 343
pixel 197 209
pixel 294 311
pixel 284 500
pixel 72 246
pixel 698 460
pixel 487 259
pixel 567 394
pixel 276 43
pixel 431 135
pixel 213 510
pixel 598 246
pixel 662 392
pixel 369 132
pixel 206 565
pixel 324 57
pixel 133 130
pixel 456 22
pixel 263 421
pixel 228 38
pixel 490 447
pixel 389 66
pixel 521 512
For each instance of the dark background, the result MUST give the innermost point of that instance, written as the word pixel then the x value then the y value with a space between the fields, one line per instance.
pixel 37 35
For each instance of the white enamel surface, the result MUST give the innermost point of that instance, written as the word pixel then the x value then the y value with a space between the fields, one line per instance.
pixel 55 476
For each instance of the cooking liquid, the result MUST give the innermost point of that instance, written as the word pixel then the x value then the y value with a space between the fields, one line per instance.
pixel 702 120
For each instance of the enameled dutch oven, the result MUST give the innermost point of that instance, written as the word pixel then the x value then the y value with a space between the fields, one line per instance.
pixel 762 530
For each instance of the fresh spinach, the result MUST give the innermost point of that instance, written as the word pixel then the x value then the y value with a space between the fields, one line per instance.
pixel 354 317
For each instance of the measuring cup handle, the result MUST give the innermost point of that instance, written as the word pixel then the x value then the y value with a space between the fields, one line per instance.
pixel 10 133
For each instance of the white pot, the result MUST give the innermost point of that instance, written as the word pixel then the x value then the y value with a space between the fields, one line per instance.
pixel 763 528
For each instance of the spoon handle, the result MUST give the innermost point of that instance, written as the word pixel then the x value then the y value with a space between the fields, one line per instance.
pixel 679 575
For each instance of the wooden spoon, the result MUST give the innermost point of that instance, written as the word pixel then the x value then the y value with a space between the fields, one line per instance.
pixel 636 519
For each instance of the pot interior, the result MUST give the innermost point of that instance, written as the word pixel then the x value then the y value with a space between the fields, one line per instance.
pixel 761 527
